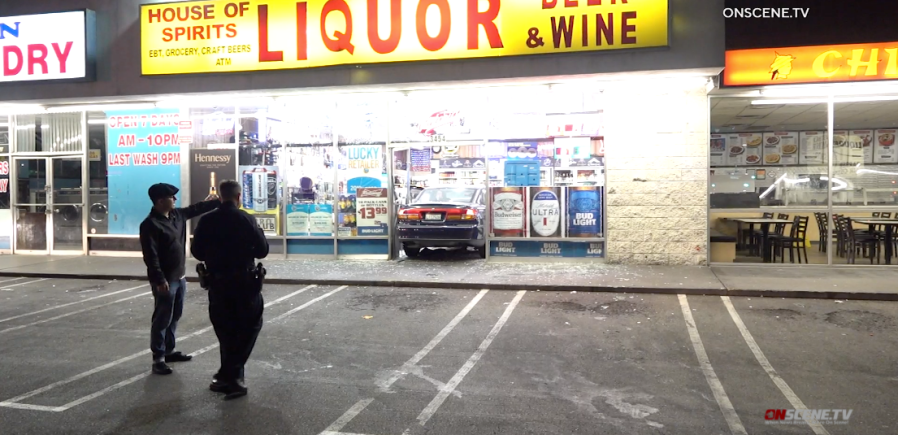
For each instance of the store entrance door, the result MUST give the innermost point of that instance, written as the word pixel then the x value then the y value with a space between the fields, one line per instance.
pixel 48 205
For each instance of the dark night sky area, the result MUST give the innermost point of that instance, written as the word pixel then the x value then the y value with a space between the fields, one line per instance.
pixel 829 22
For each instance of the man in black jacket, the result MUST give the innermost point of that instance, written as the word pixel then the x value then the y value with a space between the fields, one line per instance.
pixel 228 241
pixel 163 236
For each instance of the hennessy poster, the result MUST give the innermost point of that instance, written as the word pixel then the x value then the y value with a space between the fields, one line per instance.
pixel 208 168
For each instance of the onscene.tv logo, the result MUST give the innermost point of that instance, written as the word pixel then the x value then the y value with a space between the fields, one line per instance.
pixel 803 416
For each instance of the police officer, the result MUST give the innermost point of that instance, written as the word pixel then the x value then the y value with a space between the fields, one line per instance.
pixel 229 240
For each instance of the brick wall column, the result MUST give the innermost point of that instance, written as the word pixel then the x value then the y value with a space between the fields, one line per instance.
pixel 656 148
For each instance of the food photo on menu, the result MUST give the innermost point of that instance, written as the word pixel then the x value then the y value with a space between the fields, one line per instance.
pixel 884 149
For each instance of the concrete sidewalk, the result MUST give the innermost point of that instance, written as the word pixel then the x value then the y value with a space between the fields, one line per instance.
pixel 460 272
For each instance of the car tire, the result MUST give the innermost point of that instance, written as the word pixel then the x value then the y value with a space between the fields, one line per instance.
pixel 482 251
pixel 411 252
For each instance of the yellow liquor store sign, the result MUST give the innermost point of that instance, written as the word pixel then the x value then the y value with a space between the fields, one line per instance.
pixel 254 35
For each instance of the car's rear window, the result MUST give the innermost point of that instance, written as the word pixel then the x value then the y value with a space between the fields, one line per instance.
pixel 446 194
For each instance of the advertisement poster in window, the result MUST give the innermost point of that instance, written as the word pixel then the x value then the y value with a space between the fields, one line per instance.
pixel 5 211
pixel 143 150
pixel 315 220
pixel 509 211
pixel 545 212
pixel 208 168
pixel 584 212
pixel 262 195
pixel 372 212
pixel 346 218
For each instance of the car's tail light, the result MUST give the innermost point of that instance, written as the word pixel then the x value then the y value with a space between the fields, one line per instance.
pixel 409 215
pixel 461 215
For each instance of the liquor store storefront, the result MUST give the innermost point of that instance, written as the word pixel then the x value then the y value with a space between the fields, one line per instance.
pixel 332 119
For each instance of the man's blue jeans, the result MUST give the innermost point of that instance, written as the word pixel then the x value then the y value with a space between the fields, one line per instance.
pixel 165 319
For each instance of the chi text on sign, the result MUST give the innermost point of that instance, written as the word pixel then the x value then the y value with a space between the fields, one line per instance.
pixel 816 64
pixel 44 47
pixel 253 35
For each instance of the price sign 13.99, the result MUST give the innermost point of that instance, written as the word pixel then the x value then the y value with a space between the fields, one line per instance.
pixel 373 212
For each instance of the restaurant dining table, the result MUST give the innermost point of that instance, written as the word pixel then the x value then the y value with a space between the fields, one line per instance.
pixel 889 225
pixel 765 231
pixel 740 237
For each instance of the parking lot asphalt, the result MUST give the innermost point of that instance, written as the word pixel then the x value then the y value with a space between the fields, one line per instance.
pixel 392 361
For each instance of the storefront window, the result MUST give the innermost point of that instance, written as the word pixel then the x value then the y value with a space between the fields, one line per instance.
pixel 49 133
pixel 769 182
pixel 128 151
pixel 5 210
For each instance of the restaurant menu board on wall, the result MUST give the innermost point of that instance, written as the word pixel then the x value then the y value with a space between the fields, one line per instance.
pixel 315 220
pixel 866 139
pixel 509 211
pixel 718 150
pixel 847 149
pixel 372 212
pixel 208 168
pixel 780 148
pixel 813 149
pixel 884 150
pixel 143 150
pixel 545 212
pixel 745 149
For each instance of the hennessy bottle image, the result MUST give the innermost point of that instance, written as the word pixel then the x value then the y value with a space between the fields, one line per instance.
pixel 212 189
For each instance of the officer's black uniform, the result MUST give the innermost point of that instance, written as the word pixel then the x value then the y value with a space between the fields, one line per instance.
pixel 228 240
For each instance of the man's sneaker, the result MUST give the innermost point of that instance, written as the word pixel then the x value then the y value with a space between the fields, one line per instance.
pixel 161 368
pixel 177 357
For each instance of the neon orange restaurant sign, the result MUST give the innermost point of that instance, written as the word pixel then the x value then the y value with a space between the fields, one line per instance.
pixel 818 64
pixel 253 35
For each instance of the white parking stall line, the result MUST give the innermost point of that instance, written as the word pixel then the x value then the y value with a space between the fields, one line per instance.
pixel 56 307
pixel 384 385
pixel 136 378
pixel 309 303
pixel 347 416
pixel 23 283
pixel 62 316
pixel 14 279
pixel 765 363
pixel 723 401
pixel 453 383
pixel 14 402
pixel 414 360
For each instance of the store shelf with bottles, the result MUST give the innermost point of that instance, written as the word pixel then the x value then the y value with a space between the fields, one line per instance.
pixel 592 176
pixel 456 176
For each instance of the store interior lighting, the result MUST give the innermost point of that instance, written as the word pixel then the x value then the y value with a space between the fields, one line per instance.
pixel 823 100
pixel 20 109
pixel 824 90
pixel 100 107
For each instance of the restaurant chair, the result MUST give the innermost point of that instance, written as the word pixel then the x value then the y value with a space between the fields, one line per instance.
pixel 856 243
pixel 794 241
pixel 778 232
pixel 822 231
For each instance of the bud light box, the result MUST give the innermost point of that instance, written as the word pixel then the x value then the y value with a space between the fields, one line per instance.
pixel 534 249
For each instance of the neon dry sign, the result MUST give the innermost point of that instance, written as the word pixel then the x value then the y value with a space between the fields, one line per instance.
pixel 44 47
